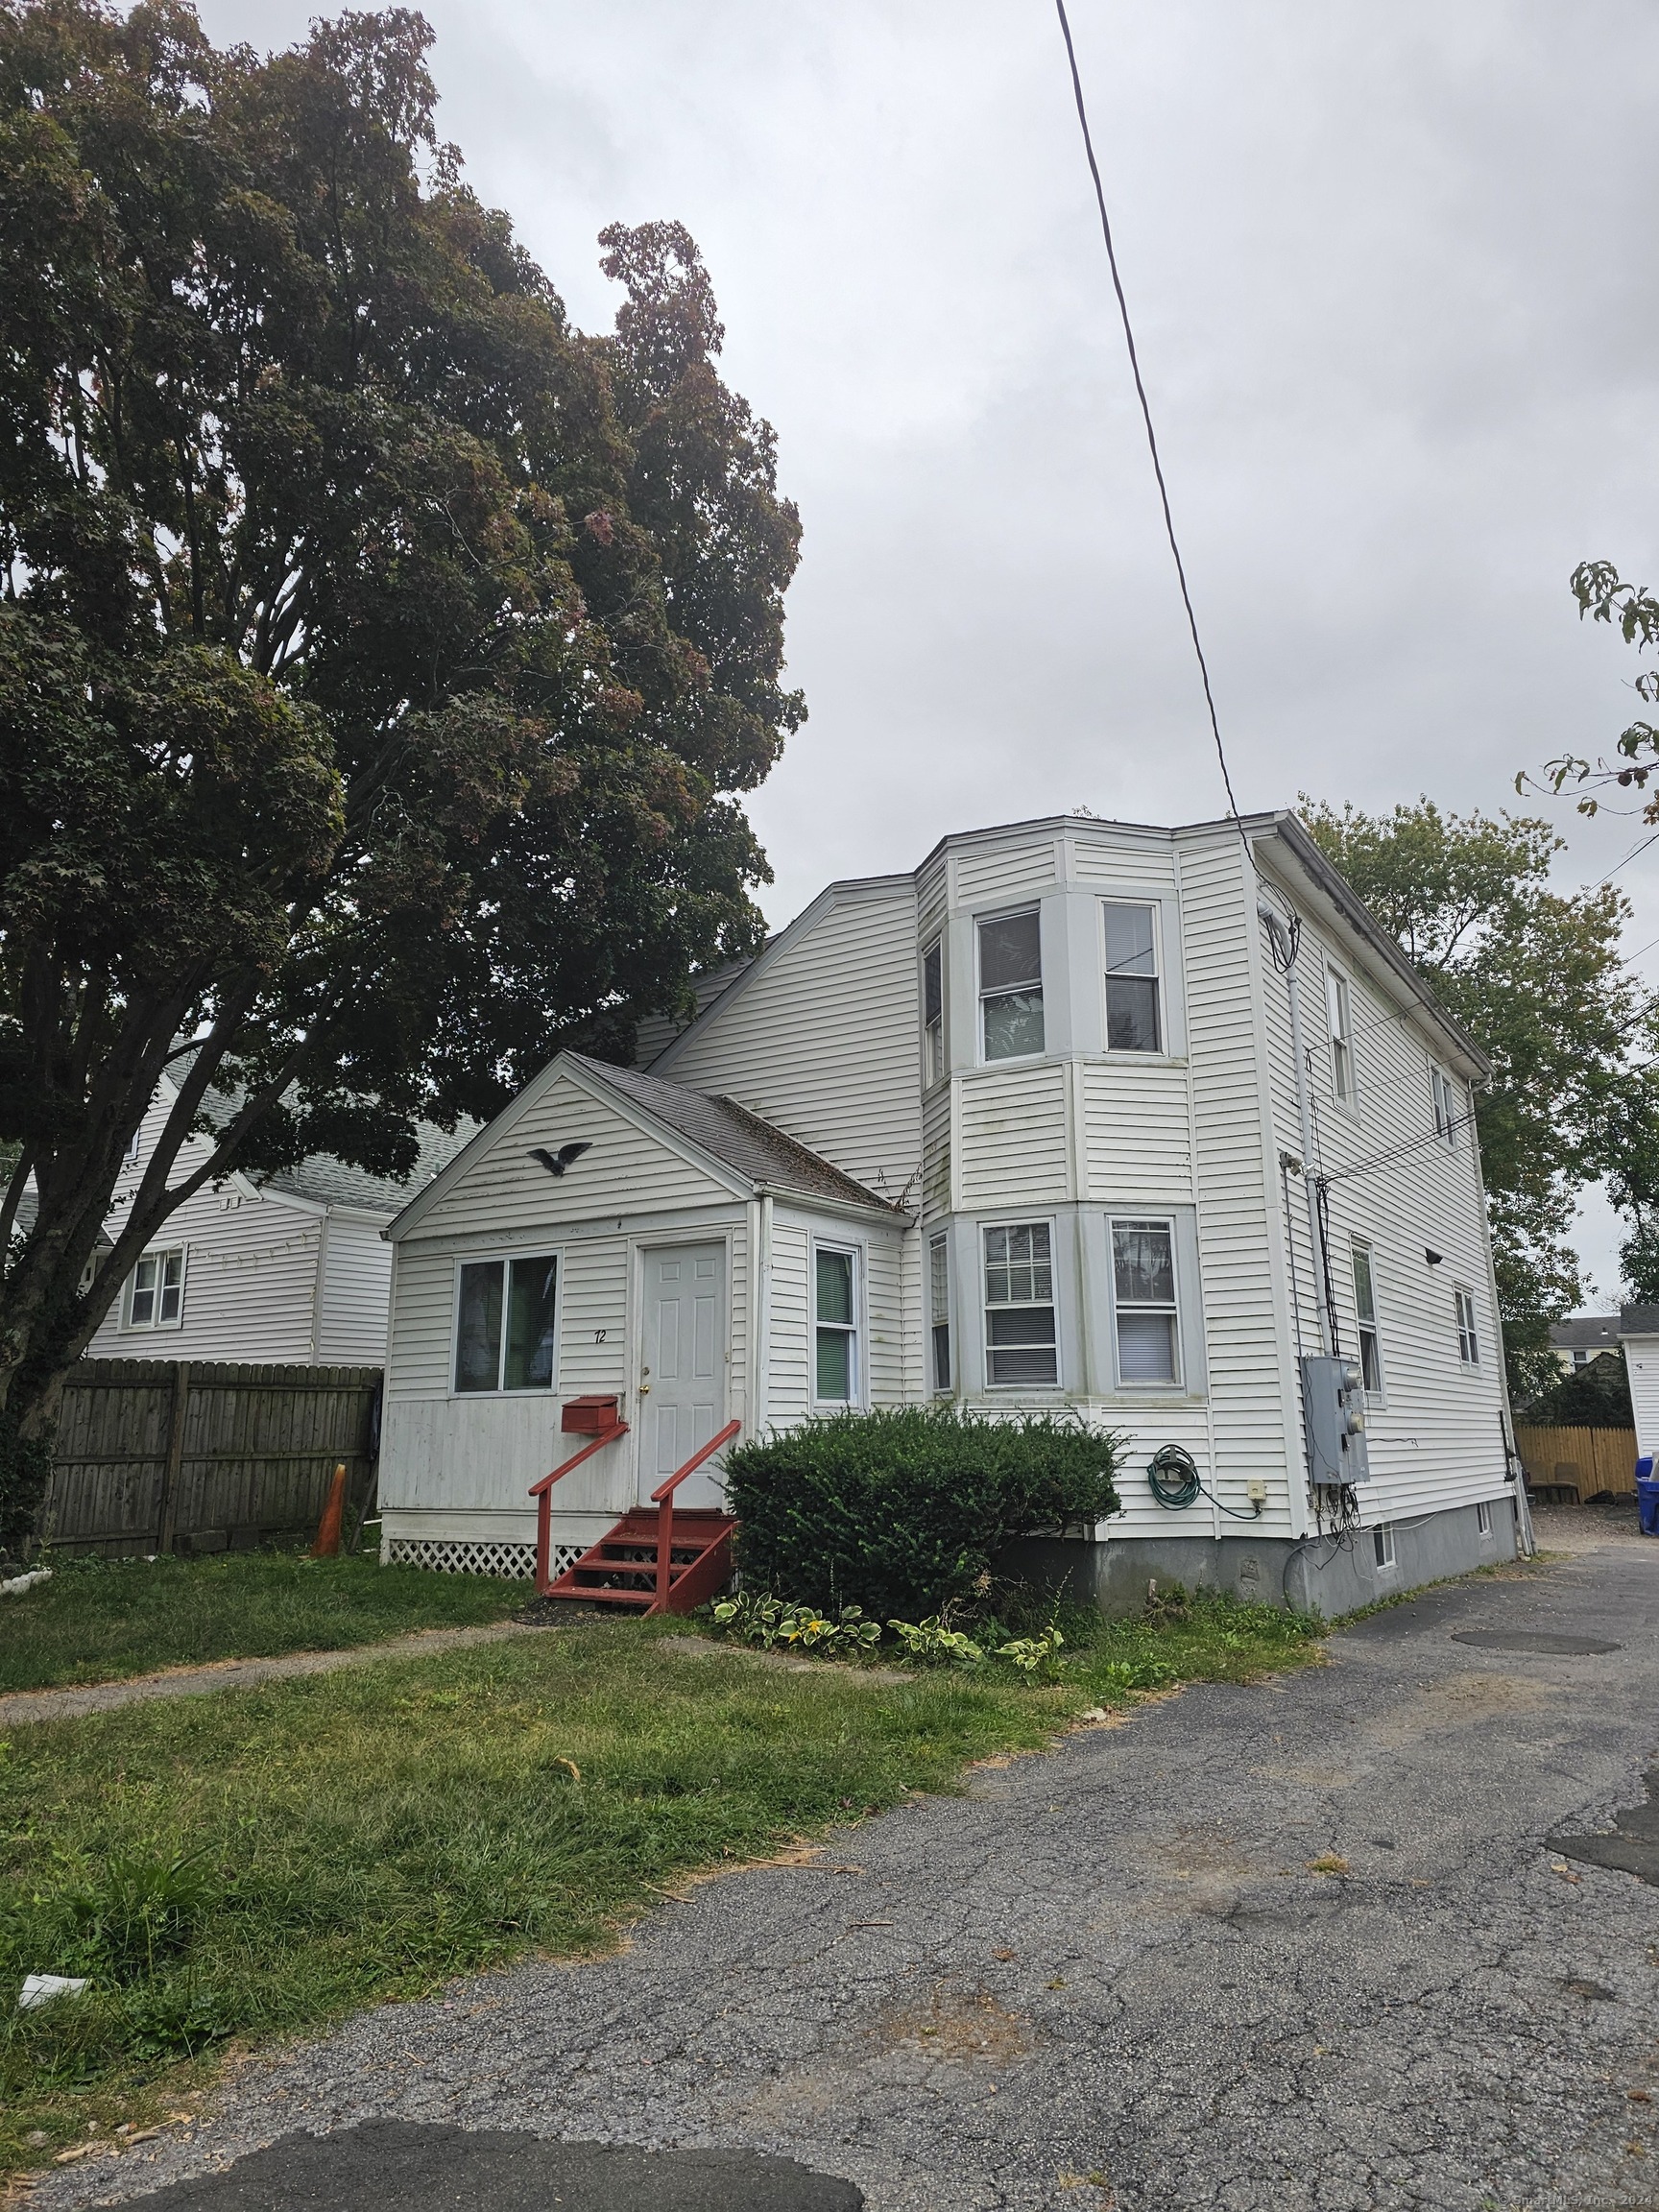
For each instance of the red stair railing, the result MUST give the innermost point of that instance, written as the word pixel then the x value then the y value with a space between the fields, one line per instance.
pixel 662 1498
pixel 541 1492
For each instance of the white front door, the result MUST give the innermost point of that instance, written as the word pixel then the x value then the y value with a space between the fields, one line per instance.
pixel 682 1380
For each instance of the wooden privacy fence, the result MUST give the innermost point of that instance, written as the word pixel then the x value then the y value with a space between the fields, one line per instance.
pixel 164 1454
pixel 1589 1460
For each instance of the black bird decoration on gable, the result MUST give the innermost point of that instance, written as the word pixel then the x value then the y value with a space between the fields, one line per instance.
pixel 556 1163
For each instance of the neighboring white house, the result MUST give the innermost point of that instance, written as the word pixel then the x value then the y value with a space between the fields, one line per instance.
pixel 289 1267
pixel 1639 1335
pixel 1024 1129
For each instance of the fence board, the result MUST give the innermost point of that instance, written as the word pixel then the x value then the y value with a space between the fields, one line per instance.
pixel 1590 1460
pixel 255 1451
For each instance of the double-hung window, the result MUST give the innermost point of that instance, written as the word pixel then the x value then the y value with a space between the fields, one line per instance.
pixel 1365 1314
pixel 1132 1021
pixel 1468 1344
pixel 933 1013
pixel 939 1309
pixel 1011 986
pixel 506 1324
pixel 834 1327
pixel 1340 1010
pixel 1143 1301
pixel 156 1291
pixel 1448 1112
pixel 1020 1346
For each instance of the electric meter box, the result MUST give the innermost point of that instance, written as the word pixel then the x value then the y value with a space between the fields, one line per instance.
pixel 1333 1407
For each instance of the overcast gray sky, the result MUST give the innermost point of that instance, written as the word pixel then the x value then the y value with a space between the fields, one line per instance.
pixel 1388 270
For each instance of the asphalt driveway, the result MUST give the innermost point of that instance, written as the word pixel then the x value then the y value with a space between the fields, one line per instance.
pixel 1304 1944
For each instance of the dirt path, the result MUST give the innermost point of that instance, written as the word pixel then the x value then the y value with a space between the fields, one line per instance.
pixel 22 1706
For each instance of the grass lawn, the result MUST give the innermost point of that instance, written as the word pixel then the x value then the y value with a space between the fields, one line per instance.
pixel 98 1620
pixel 366 1835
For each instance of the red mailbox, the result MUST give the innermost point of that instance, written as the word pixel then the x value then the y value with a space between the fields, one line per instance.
pixel 589 1416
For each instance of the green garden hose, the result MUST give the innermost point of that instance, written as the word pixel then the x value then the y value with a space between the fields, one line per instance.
pixel 1172 1476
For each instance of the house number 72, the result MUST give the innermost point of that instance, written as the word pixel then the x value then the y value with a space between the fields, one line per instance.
pixel 598 1336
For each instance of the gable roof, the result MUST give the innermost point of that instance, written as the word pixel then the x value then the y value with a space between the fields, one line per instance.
pixel 1583 1331
pixel 763 1154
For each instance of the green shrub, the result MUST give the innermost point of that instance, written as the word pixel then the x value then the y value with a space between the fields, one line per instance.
pixel 904 1512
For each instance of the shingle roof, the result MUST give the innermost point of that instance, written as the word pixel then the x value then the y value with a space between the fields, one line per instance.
pixel 1639 1321
pixel 755 1149
pixel 1584 1332
pixel 329 1182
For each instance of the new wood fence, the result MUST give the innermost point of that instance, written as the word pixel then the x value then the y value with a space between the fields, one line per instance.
pixel 1589 1460
pixel 163 1454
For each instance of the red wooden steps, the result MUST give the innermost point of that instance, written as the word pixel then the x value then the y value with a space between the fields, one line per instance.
pixel 620 1570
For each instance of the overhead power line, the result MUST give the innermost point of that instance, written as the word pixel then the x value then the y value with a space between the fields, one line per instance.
pixel 1146 409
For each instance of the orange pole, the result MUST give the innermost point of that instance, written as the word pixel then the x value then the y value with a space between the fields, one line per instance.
pixel 328 1528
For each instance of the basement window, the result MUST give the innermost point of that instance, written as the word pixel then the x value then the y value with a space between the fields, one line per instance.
pixel 1383 1543
pixel 1020 1347
pixel 507 1324
pixel 1011 986
pixel 1483 1517
pixel 156 1291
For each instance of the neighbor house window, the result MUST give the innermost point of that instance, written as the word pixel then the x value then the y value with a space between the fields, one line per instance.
pixel 1020 1341
pixel 1448 1110
pixel 836 1331
pixel 1383 1543
pixel 1468 1344
pixel 933 1012
pixel 1132 1023
pixel 1340 1007
pixel 939 1309
pixel 507 1324
pixel 1144 1297
pixel 1011 986
pixel 156 1291
pixel 1365 1314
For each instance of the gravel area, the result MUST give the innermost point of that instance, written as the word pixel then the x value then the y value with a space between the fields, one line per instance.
pixel 24 1705
pixel 1300 1947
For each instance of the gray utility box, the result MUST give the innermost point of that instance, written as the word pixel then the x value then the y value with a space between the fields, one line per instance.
pixel 1333 1407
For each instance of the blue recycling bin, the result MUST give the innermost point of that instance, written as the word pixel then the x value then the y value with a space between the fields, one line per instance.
pixel 1647 1495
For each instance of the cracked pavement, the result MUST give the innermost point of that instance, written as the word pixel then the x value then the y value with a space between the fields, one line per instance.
pixel 1107 1976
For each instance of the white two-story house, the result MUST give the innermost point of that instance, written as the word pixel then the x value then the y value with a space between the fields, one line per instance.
pixel 1024 1129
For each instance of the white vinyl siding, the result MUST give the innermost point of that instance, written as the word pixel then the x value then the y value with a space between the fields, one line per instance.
pixel 1013 1136
pixel 356 1293
pixel 821 1036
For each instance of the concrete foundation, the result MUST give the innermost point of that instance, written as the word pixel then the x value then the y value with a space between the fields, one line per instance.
pixel 1317 1574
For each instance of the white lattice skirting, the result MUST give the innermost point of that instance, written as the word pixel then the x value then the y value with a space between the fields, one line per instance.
pixel 466 1555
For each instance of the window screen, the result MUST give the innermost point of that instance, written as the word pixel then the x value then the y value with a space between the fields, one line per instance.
pixel 1011 986
pixel 939 1309
pixel 1020 1340
pixel 1144 1286
pixel 1131 980
pixel 506 1323
pixel 835 1364
pixel 1468 1344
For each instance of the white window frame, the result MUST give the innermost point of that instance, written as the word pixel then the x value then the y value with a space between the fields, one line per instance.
pixel 1021 1221
pixel 939 1315
pixel 933 1027
pixel 1483 1517
pixel 1382 1546
pixel 1372 1326
pixel 1468 1331
pixel 1449 1111
pixel 1007 989
pixel 1160 1011
pixel 1146 1220
pixel 160 1255
pixel 1340 1024
pixel 854 1329
pixel 503 1259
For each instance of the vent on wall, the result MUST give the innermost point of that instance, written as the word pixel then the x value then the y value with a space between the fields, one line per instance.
pixel 463 1556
